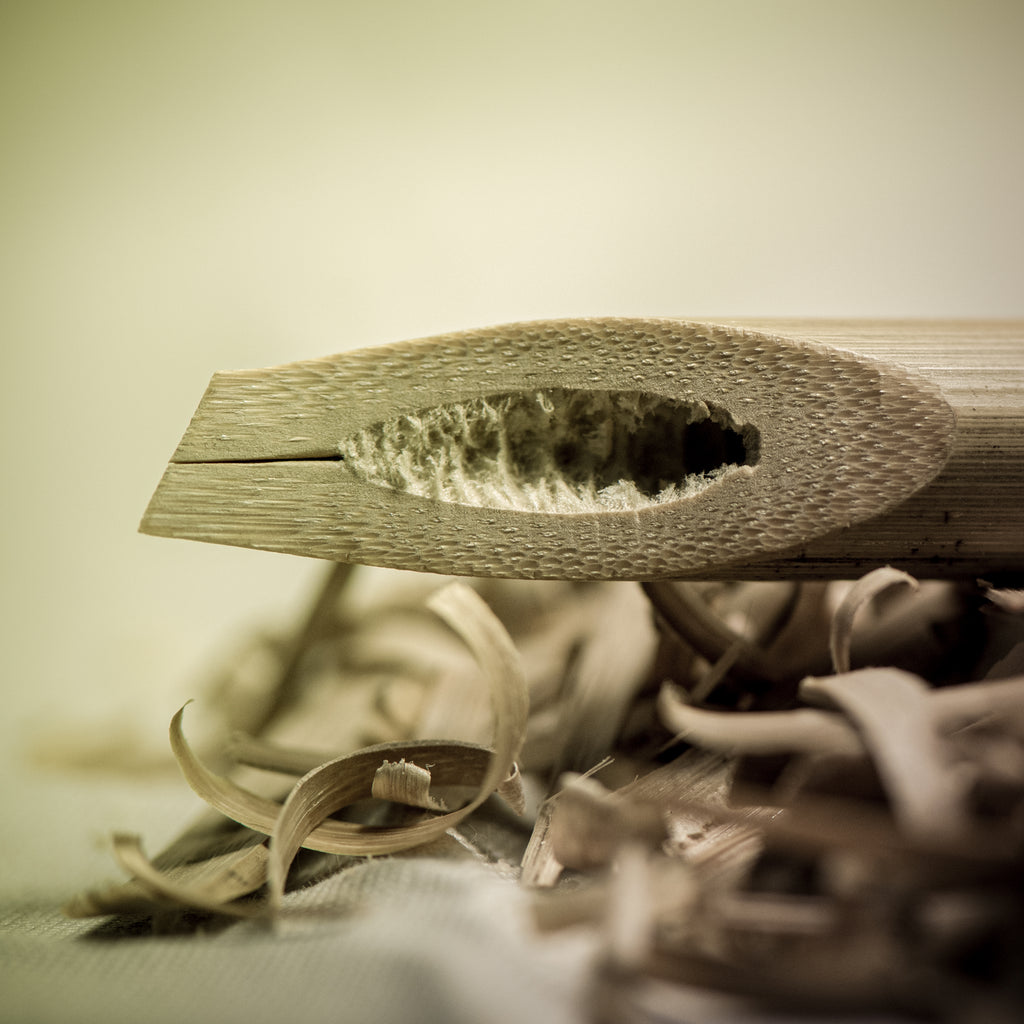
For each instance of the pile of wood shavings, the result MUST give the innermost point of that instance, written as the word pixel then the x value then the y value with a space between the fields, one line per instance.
pixel 808 794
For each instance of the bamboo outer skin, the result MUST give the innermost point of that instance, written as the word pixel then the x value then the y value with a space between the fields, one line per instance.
pixel 968 521
pixel 877 442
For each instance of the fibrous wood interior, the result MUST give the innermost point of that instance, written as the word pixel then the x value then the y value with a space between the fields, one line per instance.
pixel 554 450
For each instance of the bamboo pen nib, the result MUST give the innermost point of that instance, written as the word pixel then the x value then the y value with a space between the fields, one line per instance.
pixel 581 449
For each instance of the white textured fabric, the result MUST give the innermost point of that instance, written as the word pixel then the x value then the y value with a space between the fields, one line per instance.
pixel 419 940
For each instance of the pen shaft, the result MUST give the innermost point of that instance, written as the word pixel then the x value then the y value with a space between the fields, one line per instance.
pixel 626 448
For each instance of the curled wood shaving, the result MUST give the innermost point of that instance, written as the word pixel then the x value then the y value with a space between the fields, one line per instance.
pixel 706 685
pixel 603 682
pixel 327 789
pixel 405 783
pixel 512 792
pixel 893 712
pixel 452 763
pixel 211 885
pixel 333 785
pixel 681 607
pixel 866 589
pixel 804 730
pixel 207 883
pixel 455 706
pixel 707 869
pixel 257 753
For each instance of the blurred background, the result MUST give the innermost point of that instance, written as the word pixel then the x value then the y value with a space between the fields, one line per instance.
pixel 198 186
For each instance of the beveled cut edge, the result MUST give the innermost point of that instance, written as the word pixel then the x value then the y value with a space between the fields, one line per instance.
pixel 844 437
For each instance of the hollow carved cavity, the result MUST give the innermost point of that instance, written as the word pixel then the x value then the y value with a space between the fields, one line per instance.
pixel 555 450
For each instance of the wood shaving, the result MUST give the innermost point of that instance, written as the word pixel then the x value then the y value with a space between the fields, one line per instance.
pixel 753 815
pixel 866 589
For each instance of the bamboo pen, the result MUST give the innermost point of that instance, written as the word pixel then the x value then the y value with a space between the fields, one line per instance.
pixel 624 448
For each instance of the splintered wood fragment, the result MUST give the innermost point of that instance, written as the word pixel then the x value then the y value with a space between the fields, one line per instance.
pixel 624 449
pixel 540 867
pixel 590 825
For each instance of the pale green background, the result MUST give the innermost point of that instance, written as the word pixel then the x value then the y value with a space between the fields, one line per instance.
pixel 189 187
